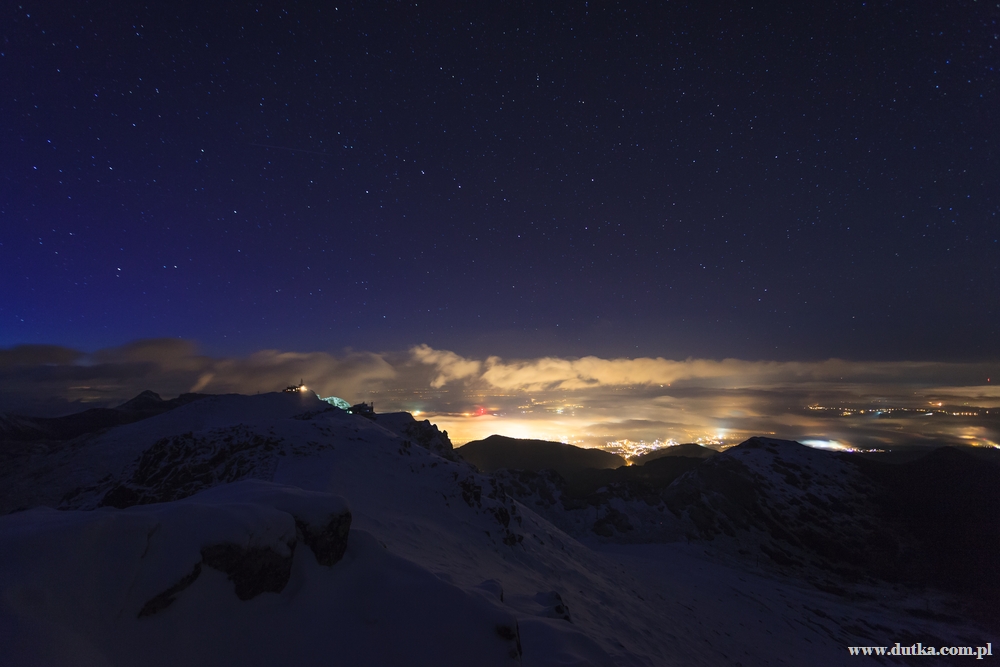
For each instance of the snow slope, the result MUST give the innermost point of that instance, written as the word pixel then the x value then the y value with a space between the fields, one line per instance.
pixel 210 535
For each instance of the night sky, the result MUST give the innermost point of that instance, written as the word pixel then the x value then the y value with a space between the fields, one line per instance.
pixel 713 180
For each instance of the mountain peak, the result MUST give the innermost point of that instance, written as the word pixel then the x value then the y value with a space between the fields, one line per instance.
pixel 144 401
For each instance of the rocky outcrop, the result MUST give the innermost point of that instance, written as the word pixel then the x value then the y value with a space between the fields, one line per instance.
pixel 840 517
pixel 253 570
pixel 180 466
pixel 144 558
pixel 329 542
pixel 262 561
pixel 794 504
pixel 166 598
pixel 421 433
pixel 494 501
pixel 623 504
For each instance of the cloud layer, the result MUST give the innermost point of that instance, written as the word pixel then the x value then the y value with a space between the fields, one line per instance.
pixel 46 375
pixel 588 400
pixel 554 373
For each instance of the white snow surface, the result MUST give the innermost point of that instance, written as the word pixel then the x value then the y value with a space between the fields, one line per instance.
pixel 441 568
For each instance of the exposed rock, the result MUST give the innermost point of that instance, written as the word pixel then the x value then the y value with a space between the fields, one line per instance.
pixel 322 520
pixel 496 502
pixel 330 543
pixel 511 634
pixel 422 433
pixel 932 522
pixel 263 563
pixel 180 466
pixel 611 521
pixel 553 606
pixel 167 597
pixel 253 570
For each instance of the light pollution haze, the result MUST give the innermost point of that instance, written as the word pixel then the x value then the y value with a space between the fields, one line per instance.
pixel 588 401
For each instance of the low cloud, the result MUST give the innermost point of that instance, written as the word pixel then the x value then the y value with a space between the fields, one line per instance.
pixel 448 365
pixel 588 400
pixel 555 373
pixel 22 356
pixel 591 400
pixel 50 376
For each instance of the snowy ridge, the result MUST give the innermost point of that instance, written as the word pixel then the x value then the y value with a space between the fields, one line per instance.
pixel 778 496
pixel 220 533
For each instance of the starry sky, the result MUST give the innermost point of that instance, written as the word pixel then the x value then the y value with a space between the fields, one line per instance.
pixel 710 180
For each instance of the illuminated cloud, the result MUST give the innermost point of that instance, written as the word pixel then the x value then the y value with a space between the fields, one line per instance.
pixel 449 366
pixel 326 374
pixel 587 400
pixel 591 400
pixel 554 373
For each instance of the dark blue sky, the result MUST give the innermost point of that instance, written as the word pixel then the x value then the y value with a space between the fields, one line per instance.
pixel 629 179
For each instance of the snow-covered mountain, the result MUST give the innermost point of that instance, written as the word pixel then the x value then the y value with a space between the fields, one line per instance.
pixel 33 429
pixel 276 529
